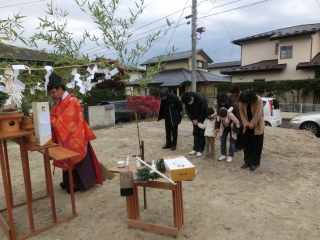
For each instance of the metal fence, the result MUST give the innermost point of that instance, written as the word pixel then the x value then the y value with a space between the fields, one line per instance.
pixel 299 107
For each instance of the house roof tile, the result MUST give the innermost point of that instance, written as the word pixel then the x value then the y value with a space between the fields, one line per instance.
pixel 314 63
pixel 224 64
pixel 178 76
pixel 22 54
pixel 175 57
pixel 263 66
pixel 281 33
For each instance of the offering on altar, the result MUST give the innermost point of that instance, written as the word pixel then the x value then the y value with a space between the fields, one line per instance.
pixel 179 168
pixel 42 125
pixel 121 164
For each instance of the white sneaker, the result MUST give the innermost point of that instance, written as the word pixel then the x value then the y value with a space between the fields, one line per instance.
pixel 222 157
pixel 199 154
pixel 229 159
pixel 192 152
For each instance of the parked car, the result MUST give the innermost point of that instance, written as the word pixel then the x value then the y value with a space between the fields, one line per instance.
pixel 272 112
pixel 122 114
pixel 309 121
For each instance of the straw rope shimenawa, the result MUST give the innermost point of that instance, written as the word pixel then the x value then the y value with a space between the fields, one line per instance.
pixel 58 67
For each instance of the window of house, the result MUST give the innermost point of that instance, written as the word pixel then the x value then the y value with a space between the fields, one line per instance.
pixel 285 52
pixel 317 73
pixel 277 49
pixel 145 91
pixel 199 64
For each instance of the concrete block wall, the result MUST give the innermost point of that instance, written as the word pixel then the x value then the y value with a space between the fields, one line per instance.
pixel 101 116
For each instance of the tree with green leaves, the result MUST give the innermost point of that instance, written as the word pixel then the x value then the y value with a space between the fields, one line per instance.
pixel 116 32
pixel 9 29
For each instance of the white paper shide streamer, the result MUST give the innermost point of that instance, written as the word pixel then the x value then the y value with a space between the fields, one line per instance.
pixel 46 77
pixel 37 87
pixel 13 86
pixel 83 85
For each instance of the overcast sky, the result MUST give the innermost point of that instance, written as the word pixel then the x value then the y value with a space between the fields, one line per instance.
pixel 224 21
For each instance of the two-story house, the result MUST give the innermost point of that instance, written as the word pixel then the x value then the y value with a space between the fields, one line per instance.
pixel 283 54
pixel 176 76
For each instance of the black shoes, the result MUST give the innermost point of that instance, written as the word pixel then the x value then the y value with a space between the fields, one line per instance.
pixel 75 189
pixel 62 185
pixel 244 166
pixel 166 147
pixel 252 168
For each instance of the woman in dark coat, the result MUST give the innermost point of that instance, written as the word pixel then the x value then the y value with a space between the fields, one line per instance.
pixel 170 110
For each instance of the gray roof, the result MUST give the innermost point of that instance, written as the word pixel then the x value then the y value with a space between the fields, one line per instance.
pixel 281 33
pixel 175 57
pixel 22 54
pixel 314 63
pixel 224 64
pixel 262 66
pixel 179 76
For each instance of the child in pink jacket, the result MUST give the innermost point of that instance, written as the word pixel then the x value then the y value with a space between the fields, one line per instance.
pixel 227 119
pixel 228 123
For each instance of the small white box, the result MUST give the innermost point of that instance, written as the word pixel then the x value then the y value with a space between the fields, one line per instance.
pixel 179 168
pixel 42 124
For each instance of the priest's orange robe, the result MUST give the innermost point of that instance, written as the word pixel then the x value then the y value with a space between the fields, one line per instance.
pixel 71 131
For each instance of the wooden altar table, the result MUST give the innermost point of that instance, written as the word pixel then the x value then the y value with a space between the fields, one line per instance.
pixel 49 152
pixel 133 208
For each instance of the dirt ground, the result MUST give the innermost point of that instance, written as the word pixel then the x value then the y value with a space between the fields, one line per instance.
pixel 280 200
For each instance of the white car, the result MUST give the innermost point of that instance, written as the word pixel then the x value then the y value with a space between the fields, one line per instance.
pixel 272 112
pixel 309 121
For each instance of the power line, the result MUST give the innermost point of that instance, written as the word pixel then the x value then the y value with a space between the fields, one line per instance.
pixel 220 6
pixel 143 34
pixel 162 18
pixel 156 27
pixel 178 25
pixel 22 4
pixel 248 5
pixel 159 26
pixel 244 6
pixel 132 31
pixel 149 25
pixel 175 28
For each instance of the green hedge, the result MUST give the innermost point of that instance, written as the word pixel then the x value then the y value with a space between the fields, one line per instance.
pixel 303 87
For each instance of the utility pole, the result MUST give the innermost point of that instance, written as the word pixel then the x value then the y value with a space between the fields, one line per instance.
pixel 194 46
